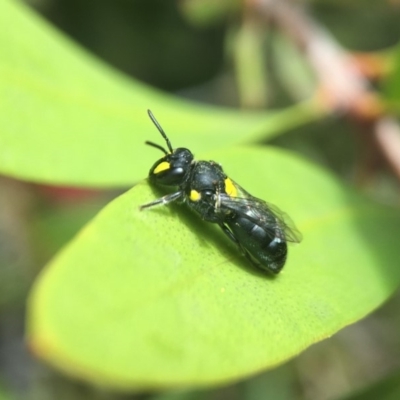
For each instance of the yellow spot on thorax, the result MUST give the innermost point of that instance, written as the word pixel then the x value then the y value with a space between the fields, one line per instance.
pixel 230 188
pixel 194 195
pixel 163 166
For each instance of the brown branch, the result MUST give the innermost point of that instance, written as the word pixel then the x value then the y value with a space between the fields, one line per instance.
pixel 387 136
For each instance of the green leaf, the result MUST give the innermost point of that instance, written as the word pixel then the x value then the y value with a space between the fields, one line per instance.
pixel 160 299
pixel 67 118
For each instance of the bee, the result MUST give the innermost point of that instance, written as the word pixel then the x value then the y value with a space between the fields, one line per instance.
pixel 259 229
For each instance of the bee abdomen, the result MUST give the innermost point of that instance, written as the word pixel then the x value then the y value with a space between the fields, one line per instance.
pixel 268 252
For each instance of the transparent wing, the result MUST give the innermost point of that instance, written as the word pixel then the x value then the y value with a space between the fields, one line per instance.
pixel 260 212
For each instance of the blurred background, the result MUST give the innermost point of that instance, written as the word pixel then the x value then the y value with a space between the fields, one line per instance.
pixel 219 52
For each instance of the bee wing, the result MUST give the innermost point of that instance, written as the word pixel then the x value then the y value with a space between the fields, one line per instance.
pixel 260 212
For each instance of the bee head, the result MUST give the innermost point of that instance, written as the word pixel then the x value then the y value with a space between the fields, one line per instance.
pixel 172 169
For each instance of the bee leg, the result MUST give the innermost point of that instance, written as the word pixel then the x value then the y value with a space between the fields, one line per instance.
pixel 233 238
pixel 163 200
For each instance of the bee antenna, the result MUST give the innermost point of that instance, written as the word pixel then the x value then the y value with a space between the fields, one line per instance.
pixel 163 134
pixel 157 146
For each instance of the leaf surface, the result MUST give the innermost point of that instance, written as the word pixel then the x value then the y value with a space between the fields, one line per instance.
pixel 161 299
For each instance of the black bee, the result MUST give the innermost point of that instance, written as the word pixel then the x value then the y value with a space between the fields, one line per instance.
pixel 259 229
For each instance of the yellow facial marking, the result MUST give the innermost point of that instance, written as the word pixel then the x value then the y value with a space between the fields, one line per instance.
pixel 194 195
pixel 230 188
pixel 161 167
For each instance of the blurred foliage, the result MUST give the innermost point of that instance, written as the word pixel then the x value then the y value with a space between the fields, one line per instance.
pixel 188 48
pixel 147 39
pixel 392 85
pixel 386 389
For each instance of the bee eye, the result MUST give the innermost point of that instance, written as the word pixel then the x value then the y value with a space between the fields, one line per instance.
pixel 167 173
pixel 171 170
